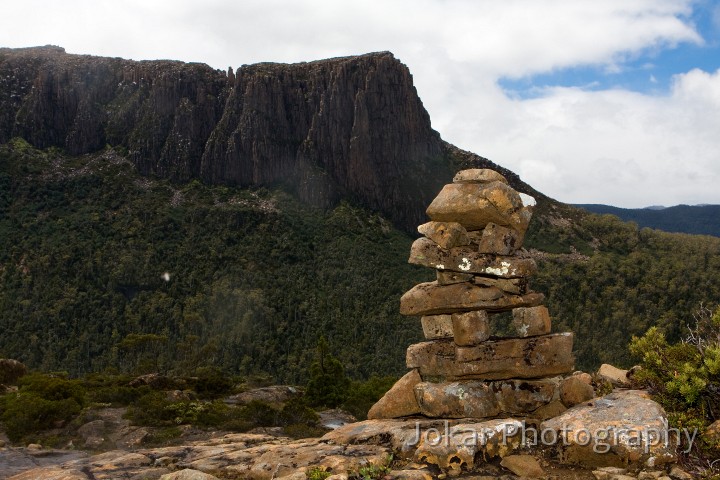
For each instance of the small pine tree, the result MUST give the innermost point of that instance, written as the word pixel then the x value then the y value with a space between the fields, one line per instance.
pixel 328 386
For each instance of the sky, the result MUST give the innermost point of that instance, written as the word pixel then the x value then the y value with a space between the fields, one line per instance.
pixel 589 101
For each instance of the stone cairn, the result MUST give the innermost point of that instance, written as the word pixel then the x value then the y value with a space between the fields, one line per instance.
pixel 469 367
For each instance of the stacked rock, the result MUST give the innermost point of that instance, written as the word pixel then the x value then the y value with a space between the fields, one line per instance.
pixel 469 368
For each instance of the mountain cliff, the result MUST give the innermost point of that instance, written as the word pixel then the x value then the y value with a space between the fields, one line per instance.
pixel 349 127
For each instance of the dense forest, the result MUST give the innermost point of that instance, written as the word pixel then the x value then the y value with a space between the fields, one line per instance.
pixel 696 219
pixel 101 268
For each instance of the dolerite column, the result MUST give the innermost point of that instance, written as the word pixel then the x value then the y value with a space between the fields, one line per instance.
pixel 467 369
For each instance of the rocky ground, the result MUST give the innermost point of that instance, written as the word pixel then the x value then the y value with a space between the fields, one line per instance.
pixel 404 448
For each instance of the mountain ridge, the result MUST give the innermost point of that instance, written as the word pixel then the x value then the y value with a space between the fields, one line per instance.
pixel 327 129
pixel 692 219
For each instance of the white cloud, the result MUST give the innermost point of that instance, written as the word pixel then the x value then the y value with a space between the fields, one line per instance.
pixel 609 146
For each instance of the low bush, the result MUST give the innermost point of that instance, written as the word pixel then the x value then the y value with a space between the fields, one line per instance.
pixel 42 402
pixel 684 377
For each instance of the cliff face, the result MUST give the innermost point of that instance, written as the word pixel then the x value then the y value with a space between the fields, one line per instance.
pixel 349 127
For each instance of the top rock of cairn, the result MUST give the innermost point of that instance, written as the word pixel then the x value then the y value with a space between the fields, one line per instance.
pixel 470 367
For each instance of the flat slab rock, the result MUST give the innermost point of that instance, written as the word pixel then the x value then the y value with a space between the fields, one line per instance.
pixel 621 428
pixel 480 399
pixel 429 298
pixel 236 456
pixel 427 253
pixel 532 357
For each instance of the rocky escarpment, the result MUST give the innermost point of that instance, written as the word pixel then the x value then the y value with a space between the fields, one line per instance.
pixel 349 127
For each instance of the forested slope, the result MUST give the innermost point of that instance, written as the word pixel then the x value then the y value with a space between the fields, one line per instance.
pixel 695 219
pixel 103 268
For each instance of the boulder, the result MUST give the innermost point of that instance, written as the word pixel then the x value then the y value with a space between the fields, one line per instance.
pixel 432 299
pixel 400 400
pixel 677 473
pixel 494 360
pixel 525 466
pixel 11 370
pixel 531 321
pixel 585 377
pixel 467 399
pixel 478 175
pixel 470 328
pixel 427 253
pixel 521 397
pixel 437 326
pixel 188 474
pixel 273 395
pixel 611 473
pixel 475 205
pixel 445 234
pixel 92 433
pixel 499 240
pixel 551 410
pixel 712 434
pixel 479 399
pixel 574 390
pixel 622 428
pixel 614 375
pixel 455 448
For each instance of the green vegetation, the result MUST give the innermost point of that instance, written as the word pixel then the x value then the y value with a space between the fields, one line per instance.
pixel 42 401
pixel 102 268
pixel 46 404
pixel 685 376
pixel 254 278
pixel 328 385
pixel 695 219
pixel 636 279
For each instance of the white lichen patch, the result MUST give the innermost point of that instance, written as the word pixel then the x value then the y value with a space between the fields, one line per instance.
pixel 440 266
pixel 503 269
pixel 465 265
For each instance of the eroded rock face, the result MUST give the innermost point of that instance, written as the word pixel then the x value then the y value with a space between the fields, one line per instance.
pixel 615 430
pixel 327 129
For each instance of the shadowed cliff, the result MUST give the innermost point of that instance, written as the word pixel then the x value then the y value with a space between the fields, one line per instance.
pixel 349 127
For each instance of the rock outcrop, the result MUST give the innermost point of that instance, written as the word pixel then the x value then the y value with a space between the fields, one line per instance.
pixel 350 127
pixel 343 128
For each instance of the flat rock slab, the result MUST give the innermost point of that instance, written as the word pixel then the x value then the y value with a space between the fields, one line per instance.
pixel 480 399
pixel 248 456
pixel 622 428
pixel 532 357
pixel 427 253
pixel 432 299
